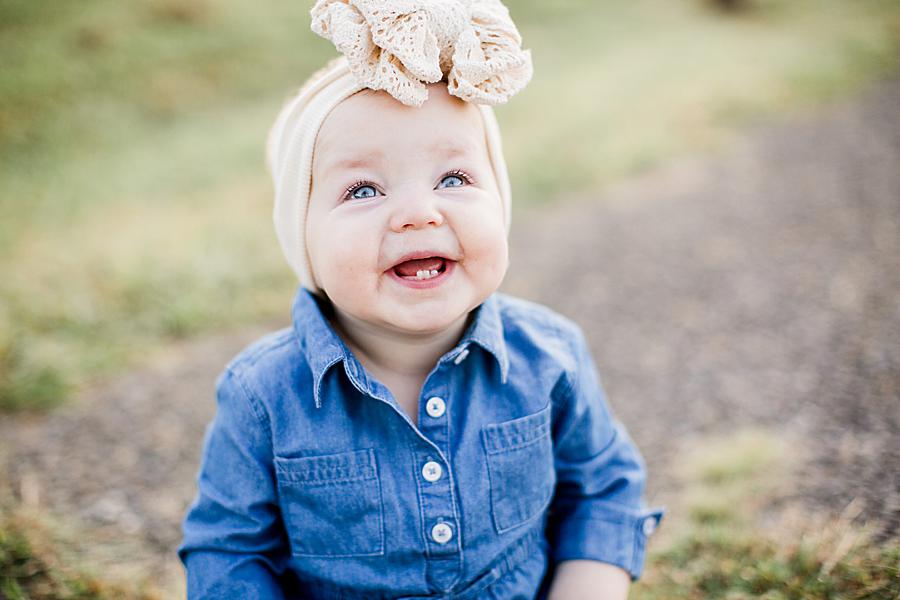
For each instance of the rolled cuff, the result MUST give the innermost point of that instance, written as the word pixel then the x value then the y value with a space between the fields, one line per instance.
pixel 619 539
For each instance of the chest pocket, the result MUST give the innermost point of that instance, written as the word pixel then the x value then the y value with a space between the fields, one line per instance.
pixel 332 504
pixel 520 468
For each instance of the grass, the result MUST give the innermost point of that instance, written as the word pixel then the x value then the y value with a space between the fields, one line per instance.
pixel 718 563
pixel 134 204
pixel 730 541
pixel 34 565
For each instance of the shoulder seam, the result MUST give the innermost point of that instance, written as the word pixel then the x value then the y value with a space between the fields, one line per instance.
pixel 571 333
pixel 567 391
pixel 252 401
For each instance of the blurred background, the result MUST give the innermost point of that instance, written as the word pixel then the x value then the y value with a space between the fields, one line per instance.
pixel 709 187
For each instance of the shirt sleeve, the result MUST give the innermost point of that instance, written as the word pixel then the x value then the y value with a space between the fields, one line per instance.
pixel 597 512
pixel 234 545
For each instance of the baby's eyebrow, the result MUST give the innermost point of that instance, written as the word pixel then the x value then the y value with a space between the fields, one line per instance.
pixel 355 162
pixel 376 157
pixel 450 149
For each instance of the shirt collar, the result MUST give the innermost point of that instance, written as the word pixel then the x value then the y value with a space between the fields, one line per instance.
pixel 486 331
pixel 323 348
pixel 320 344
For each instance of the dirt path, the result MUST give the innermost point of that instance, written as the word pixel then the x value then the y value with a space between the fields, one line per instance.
pixel 761 288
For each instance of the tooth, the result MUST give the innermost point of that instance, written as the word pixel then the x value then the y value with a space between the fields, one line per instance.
pixel 434 272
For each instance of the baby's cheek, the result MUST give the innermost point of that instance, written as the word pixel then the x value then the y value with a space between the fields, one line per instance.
pixel 489 255
pixel 490 237
pixel 337 263
pixel 500 262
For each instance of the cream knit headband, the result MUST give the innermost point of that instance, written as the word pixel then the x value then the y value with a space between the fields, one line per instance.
pixel 398 46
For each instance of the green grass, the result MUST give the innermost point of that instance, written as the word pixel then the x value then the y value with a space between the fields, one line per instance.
pixel 134 203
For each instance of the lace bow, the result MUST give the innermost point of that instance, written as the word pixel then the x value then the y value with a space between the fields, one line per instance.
pixel 401 45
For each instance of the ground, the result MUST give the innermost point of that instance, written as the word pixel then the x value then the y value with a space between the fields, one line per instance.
pixel 757 289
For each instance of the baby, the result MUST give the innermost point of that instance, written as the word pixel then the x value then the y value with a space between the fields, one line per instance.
pixel 414 434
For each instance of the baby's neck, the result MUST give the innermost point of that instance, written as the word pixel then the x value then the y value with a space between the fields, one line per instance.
pixel 389 353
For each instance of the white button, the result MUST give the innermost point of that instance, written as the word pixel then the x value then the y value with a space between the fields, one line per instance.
pixel 441 533
pixel 649 526
pixel 432 471
pixel 461 356
pixel 435 407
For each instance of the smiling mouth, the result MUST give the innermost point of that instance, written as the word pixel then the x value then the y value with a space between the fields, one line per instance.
pixel 421 269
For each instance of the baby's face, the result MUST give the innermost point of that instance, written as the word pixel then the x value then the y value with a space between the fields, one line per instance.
pixel 405 228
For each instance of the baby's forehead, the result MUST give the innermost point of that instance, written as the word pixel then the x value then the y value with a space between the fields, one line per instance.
pixel 444 124
pixel 439 99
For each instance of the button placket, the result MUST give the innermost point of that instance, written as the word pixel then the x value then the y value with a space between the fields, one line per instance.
pixel 438 508
pixel 434 478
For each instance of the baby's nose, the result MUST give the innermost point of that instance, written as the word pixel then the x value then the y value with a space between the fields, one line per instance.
pixel 415 213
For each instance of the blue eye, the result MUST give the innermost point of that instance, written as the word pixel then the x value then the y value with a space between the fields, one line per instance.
pixel 360 191
pixel 450 181
pixel 455 179
pixel 364 191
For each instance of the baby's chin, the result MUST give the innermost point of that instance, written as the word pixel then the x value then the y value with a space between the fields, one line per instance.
pixel 426 319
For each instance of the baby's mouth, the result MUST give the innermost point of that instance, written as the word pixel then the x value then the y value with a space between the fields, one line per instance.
pixel 421 268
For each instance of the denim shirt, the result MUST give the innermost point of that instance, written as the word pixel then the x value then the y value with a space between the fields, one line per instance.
pixel 315 484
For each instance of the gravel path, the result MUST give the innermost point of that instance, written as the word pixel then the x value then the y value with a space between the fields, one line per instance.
pixel 760 288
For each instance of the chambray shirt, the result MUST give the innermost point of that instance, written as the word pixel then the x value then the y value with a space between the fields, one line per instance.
pixel 315 484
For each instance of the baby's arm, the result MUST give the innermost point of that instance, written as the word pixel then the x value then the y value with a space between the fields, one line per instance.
pixel 598 525
pixel 589 580
pixel 234 545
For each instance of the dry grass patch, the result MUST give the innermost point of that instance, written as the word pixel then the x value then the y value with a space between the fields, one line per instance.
pixel 733 535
